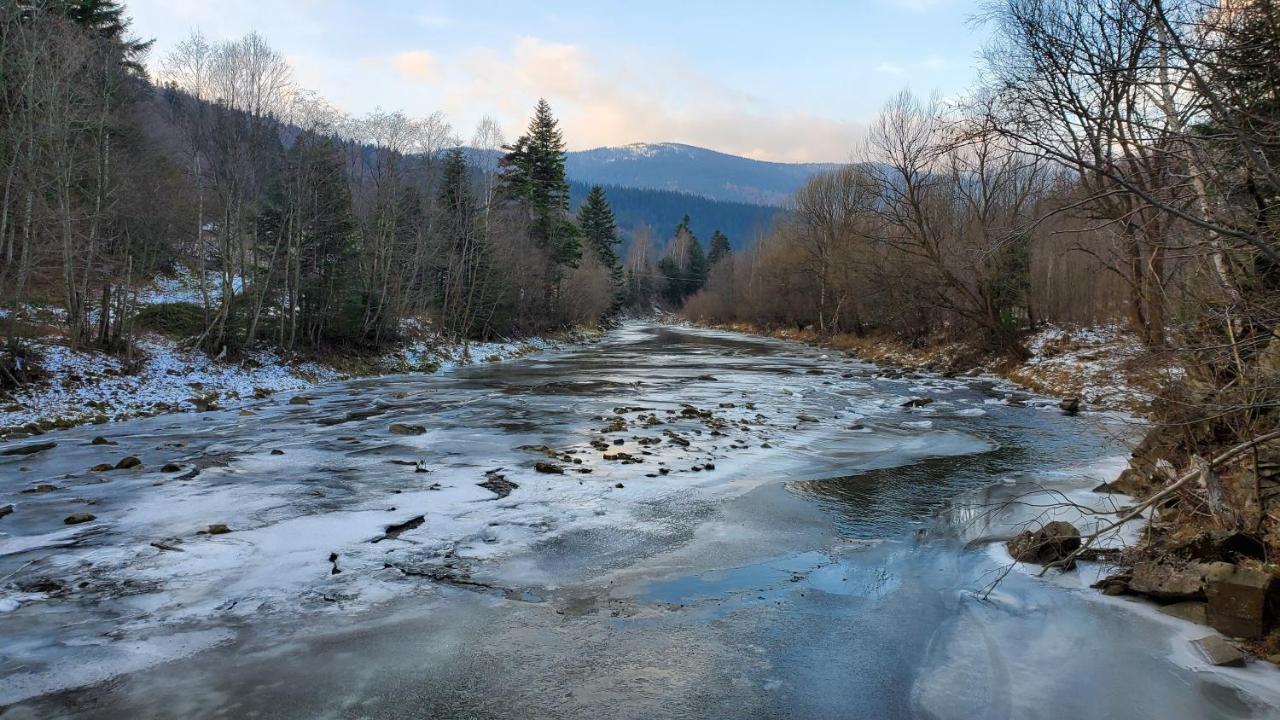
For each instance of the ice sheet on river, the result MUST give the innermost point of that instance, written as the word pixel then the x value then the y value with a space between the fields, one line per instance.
pixel 568 485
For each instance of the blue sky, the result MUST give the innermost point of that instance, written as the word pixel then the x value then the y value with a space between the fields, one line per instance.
pixel 788 81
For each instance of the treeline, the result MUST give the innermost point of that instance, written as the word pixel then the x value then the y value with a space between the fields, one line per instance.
pixel 1117 161
pixel 303 227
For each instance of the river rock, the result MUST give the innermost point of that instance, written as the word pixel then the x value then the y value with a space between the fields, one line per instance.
pixel 1053 542
pixel 1167 580
pixel 80 517
pixel 102 467
pixel 917 402
pixel 29 449
pixel 170 468
pixel 407 429
pixel 1241 601
pixel 1190 610
pixel 129 461
pixel 1070 405
pixel 550 468
pixel 99 440
pixel 1219 652
pixel 218 529
pixel 299 400
pixel 6 509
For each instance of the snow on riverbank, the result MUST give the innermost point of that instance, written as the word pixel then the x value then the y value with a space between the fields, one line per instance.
pixel 92 386
pixel 1105 366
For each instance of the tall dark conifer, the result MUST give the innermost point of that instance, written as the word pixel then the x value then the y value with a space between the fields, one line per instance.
pixel 719 249
pixel 533 174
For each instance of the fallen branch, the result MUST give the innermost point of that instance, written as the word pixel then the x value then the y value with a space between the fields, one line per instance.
pixel 1137 510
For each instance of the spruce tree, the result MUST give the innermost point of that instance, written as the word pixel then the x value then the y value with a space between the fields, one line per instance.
pixel 600 230
pixel 533 174
pixel 719 248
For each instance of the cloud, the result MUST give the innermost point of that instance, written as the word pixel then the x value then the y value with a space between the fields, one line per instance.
pixel 630 97
pixel 417 65
pixel 889 68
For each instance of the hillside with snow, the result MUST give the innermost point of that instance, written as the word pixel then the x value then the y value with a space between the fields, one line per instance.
pixel 694 170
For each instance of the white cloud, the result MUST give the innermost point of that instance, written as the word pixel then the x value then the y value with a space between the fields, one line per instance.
pixel 418 66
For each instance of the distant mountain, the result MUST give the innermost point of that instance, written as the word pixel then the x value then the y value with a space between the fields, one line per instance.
pixel 662 210
pixel 692 170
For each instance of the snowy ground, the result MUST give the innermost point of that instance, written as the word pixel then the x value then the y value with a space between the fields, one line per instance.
pixel 1104 366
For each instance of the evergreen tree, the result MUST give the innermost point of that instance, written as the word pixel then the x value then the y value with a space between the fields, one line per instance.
pixel 719 248
pixel 533 174
pixel 600 233
pixel 104 18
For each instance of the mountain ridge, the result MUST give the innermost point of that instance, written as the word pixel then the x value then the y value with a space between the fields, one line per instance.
pixel 693 170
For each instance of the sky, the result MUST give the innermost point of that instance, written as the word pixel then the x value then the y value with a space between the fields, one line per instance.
pixel 784 81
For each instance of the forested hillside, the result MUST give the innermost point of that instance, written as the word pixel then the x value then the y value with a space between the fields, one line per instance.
pixel 693 170
pixel 662 210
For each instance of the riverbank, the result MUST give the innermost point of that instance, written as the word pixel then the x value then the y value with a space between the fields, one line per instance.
pixel 77 387
pixel 1104 367
pixel 1193 562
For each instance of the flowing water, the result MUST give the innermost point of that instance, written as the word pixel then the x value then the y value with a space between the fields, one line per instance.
pixel 759 530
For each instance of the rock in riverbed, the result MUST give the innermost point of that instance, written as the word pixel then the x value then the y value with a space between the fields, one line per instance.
pixel 80 517
pixel 550 468
pixel 6 509
pixel 129 461
pixel 1053 542
pixel 1219 652
pixel 1070 405
pixel 407 429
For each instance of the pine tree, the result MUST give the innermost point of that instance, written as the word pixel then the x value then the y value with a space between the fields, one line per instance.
pixel 719 248
pixel 533 174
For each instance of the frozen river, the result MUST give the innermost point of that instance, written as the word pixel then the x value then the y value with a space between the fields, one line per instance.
pixel 722 526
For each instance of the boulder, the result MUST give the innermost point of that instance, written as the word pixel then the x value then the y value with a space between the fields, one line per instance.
pixel 550 468
pixel 1241 601
pixel 1190 611
pixel 1070 405
pixel 299 400
pixel 1167 580
pixel 917 402
pixel 29 449
pixel 6 509
pixel 171 468
pixel 1113 585
pixel 407 429
pixel 1219 652
pixel 80 517
pixel 218 529
pixel 99 440
pixel 103 467
pixel 129 461
pixel 1050 543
